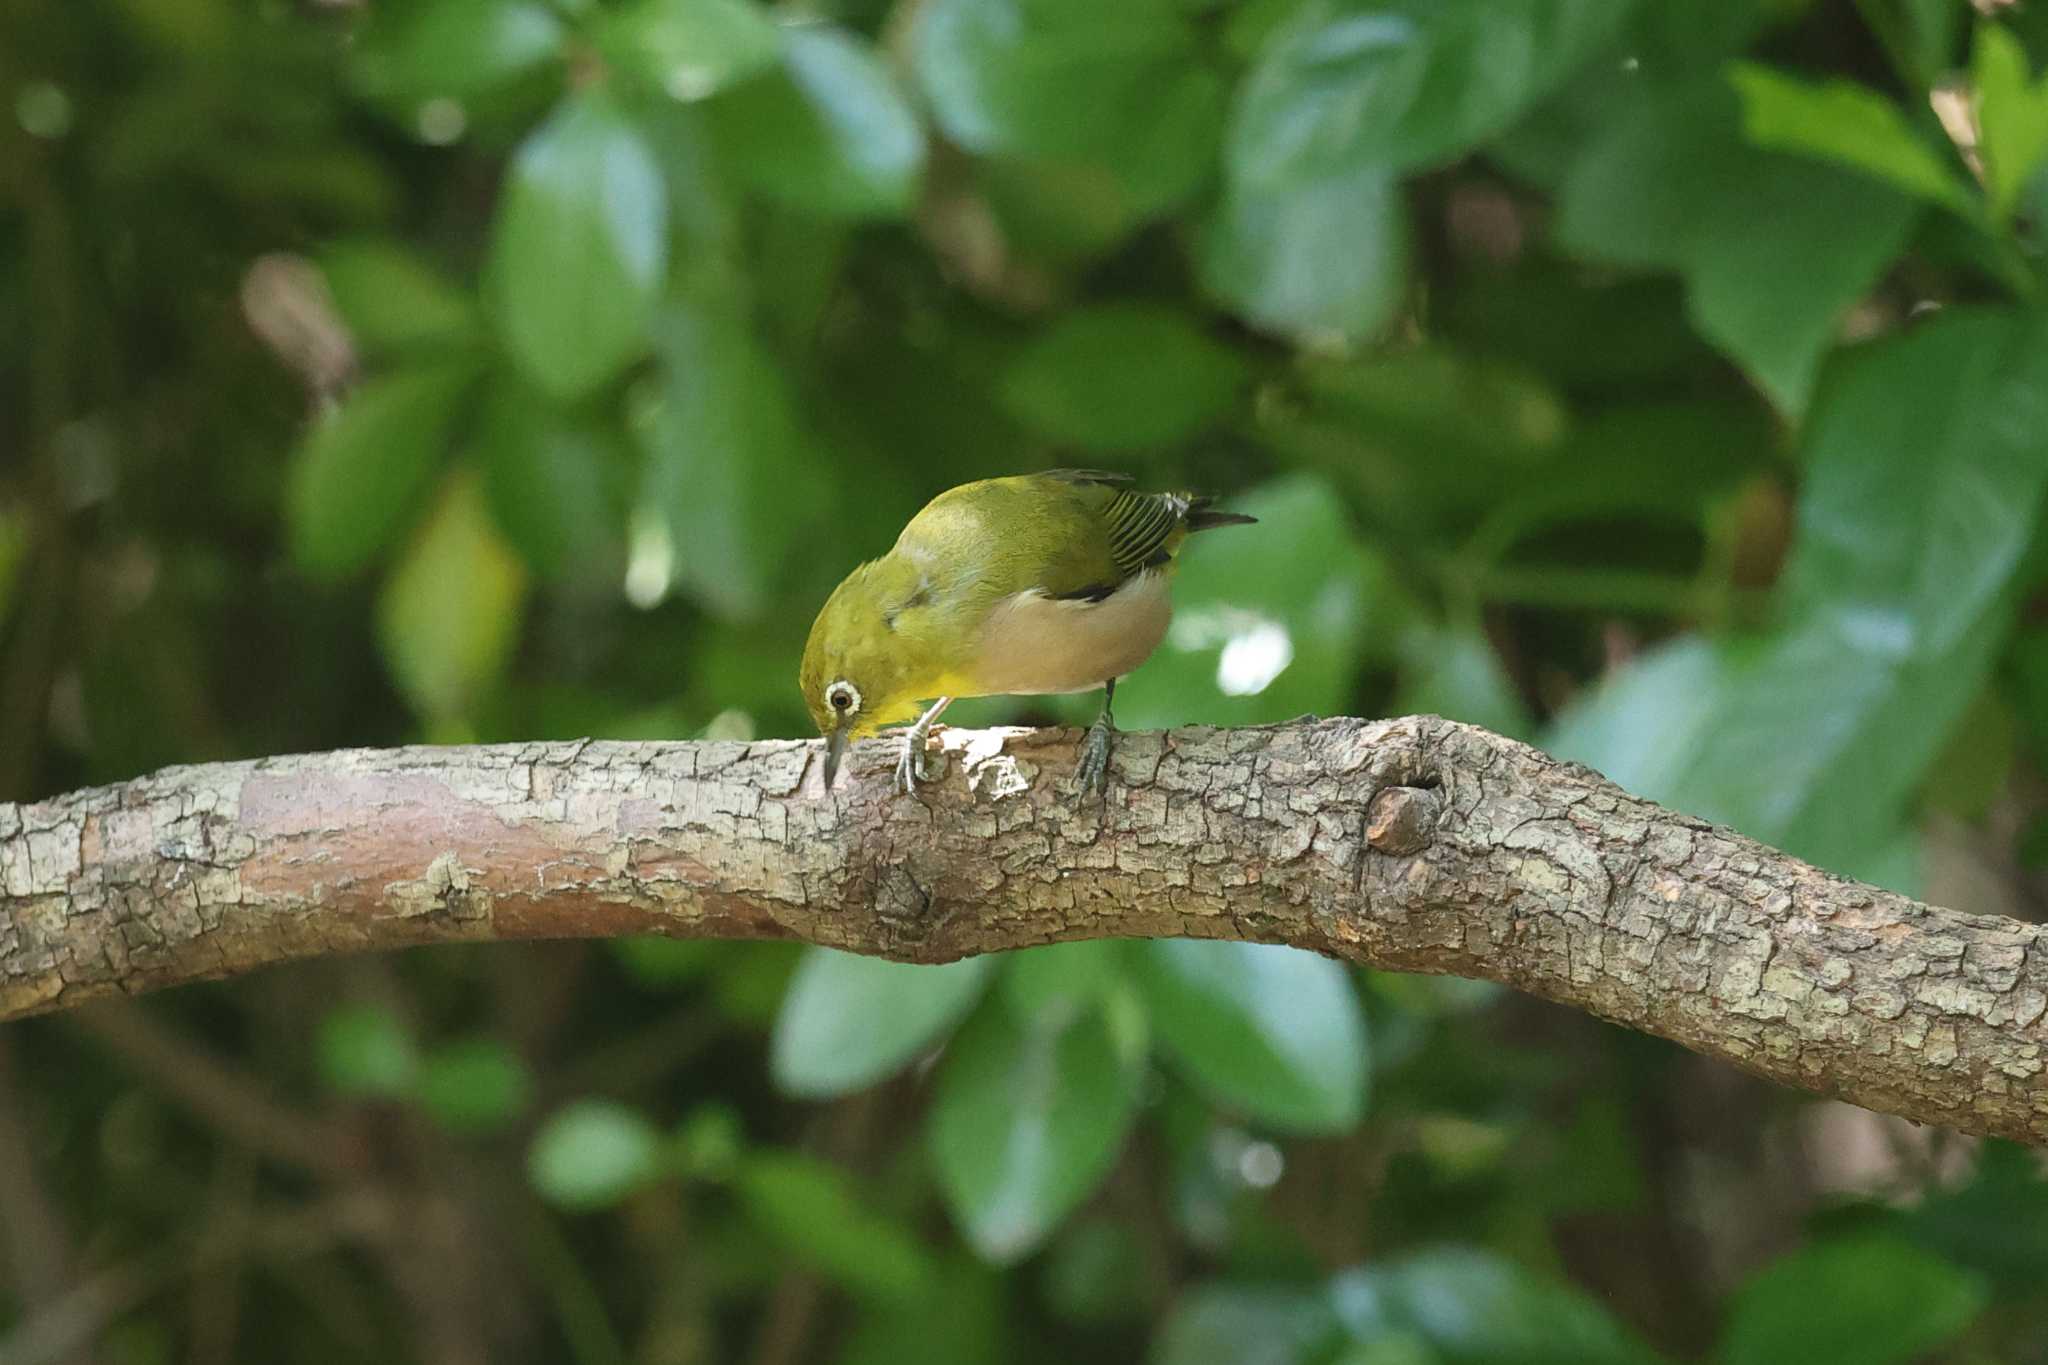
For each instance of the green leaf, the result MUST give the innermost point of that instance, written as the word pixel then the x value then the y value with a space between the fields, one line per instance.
pixel 366 1052
pixel 962 1319
pixel 810 1207
pixel 15 540
pixel 1028 1119
pixel 830 134
pixel 2012 116
pixel 556 481
pixel 592 1154
pixel 1324 258
pixel 477 1086
pixel 1116 85
pixel 1123 377
pixel 710 1143
pixel 1399 1348
pixel 848 1021
pixel 392 300
pixel 1926 465
pixel 1232 1324
pixel 579 251
pixel 455 49
pixel 1866 1300
pixel 1674 186
pixel 1457 673
pixel 690 49
pixel 1976 761
pixel 1474 1309
pixel 1664 46
pixel 727 467
pixel 1997 1224
pixel 1096 1273
pixel 1274 1032
pixel 449 616
pixel 1846 123
pixel 1060 980
pixel 358 479
pixel 667 963
pixel 1931 37
pixel 1269 619
pixel 1393 84
pixel 1644 726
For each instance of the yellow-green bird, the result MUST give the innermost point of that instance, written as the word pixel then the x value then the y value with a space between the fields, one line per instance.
pixel 1040 583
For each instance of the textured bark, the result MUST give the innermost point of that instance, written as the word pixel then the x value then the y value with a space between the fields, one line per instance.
pixel 1413 844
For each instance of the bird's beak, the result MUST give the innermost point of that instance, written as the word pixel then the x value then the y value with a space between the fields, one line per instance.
pixel 835 749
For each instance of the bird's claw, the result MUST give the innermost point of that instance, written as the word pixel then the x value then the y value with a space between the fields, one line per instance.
pixel 1091 773
pixel 911 767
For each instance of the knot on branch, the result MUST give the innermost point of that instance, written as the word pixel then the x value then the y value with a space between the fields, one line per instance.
pixel 1402 820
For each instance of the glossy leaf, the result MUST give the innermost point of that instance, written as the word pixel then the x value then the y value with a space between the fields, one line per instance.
pixel 726 464
pixel 358 479
pixel 962 1319
pixel 1848 124
pixel 1474 1309
pixel 1652 190
pixel 456 49
pixel 2012 116
pixel 1927 462
pixel 690 49
pixel 830 133
pixel 1061 980
pixel 1351 84
pixel 1855 1301
pixel 1644 726
pixel 1274 1032
pixel 555 481
pixel 365 1051
pixel 1028 1118
pixel 810 1207
pixel 592 1154
pixel 394 301
pixel 1123 377
pixel 1232 1324
pixel 1327 257
pixel 579 251
pixel 1458 673
pixel 848 1021
pixel 449 616
pixel 477 1086
pixel 1073 80
pixel 1996 1225
pixel 1094 1273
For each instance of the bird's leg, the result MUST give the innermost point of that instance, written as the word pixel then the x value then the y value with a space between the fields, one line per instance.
pixel 910 767
pixel 1093 768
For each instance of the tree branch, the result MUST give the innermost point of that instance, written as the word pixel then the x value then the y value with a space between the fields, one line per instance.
pixel 1413 844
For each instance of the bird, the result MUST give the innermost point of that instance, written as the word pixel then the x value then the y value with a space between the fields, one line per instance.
pixel 1031 584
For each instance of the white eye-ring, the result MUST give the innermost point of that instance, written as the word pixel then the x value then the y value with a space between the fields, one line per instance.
pixel 844 697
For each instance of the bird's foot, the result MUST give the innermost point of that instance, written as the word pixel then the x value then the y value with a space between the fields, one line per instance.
pixel 1091 773
pixel 911 766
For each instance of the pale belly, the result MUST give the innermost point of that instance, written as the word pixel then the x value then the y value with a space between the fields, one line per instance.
pixel 1036 644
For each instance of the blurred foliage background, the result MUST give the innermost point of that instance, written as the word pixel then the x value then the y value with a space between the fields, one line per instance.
pixel 1663 381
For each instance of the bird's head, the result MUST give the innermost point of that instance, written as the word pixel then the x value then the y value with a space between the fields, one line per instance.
pixel 858 674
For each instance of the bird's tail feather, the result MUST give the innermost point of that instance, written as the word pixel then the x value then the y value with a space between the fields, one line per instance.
pixel 1201 516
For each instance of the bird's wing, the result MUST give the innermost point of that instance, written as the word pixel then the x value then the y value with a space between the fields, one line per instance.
pixel 1067 533
pixel 1103 476
pixel 1101 534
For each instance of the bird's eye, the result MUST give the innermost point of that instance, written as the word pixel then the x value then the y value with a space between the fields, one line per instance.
pixel 843 696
